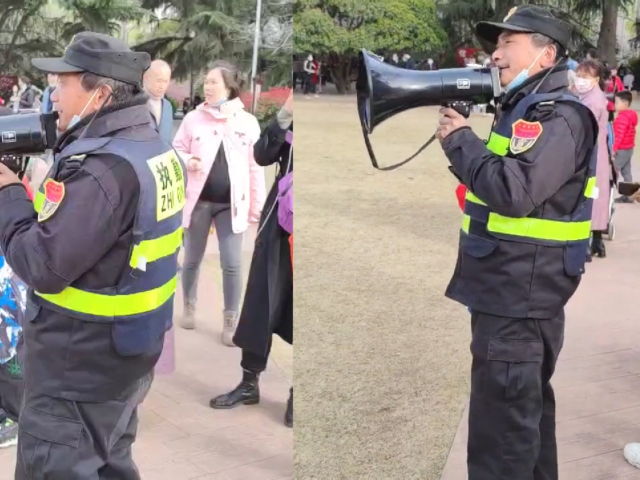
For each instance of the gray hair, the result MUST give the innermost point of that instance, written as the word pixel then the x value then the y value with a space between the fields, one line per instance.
pixel 539 40
pixel 122 91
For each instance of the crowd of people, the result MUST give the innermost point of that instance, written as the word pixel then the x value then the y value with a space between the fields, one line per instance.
pixel 223 151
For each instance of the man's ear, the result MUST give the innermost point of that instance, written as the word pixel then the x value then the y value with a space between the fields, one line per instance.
pixel 548 58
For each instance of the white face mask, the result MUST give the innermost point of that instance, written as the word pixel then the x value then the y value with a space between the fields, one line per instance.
pixel 583 85
pixel 77 118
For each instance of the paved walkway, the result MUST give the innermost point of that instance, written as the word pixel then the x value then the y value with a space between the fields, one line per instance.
pixel 597 381
pixel 180 437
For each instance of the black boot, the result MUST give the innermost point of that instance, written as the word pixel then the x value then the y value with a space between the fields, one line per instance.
pixel 597 245
pixel 288 416
pixel 246 393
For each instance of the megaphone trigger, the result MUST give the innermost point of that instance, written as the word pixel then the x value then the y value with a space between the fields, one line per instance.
pixel 385 90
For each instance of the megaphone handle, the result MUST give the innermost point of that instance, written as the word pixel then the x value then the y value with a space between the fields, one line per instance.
pixel 374 161
pixel 460 106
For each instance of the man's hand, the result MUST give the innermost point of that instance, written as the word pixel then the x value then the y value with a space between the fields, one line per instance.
pixel 449 122
pixel 7 177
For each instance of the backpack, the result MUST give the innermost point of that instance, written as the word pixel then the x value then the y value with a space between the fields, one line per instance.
pixel 285 193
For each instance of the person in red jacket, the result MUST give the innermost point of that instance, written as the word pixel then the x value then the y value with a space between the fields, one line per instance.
pixel 624 137
pixel 612 86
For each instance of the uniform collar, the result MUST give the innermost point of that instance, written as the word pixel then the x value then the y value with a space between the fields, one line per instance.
pixel 114 117
pixel 558 79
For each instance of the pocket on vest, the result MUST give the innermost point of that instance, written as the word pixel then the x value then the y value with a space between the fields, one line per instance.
pixel 477 247
pixel 575 257
pixel 139 336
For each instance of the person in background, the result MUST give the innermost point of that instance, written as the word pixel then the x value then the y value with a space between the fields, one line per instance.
pixel 156 82
pixel 431 65
pixel 15 99
pixel 613 85
pixel 309 71
pixel 47 104
pixel 268 302
pixel 624 137
pixel 592 54
pixel 27 94
pixel 408 62
pixel 588 86
pixel 628 80
pixel 395 61
pixel 225 187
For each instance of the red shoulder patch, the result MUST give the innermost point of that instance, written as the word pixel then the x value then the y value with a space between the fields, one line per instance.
pixel 524 135
pixel 53 195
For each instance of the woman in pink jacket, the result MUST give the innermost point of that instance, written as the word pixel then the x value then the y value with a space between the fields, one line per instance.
pixel 225 187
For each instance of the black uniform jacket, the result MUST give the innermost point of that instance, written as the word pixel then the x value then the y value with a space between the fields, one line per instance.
pixel 85 243
pixel 515 279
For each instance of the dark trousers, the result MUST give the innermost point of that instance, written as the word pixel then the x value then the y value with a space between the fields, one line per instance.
pixel 512 424
pixel 254 363
pixel 65 440
pixel 11 387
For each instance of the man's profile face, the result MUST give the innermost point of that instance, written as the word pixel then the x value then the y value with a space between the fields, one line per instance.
pixel 157 79
pixel 69 99
pixel 514 53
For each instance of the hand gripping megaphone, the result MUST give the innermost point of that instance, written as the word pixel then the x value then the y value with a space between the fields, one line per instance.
pixel 384 90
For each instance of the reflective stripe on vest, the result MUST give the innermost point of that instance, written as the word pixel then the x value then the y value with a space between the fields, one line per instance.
pixel 556 230
pixel 150 285
pixel 112 306
pixel 147 250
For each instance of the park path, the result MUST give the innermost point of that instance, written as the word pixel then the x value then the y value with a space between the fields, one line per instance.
pixel 597 381
pixel 180 437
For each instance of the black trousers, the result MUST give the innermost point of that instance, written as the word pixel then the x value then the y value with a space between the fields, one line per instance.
pixel 64 440
pixel 512 412
pixel 253 362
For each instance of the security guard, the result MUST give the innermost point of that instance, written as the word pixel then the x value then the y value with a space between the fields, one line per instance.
pixel 523 242
pixel 100 256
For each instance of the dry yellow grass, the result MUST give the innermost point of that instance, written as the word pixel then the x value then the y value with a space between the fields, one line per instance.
pixel 381 357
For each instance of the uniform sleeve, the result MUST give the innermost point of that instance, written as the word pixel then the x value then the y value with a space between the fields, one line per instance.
pixel 50 255
pixel 515 186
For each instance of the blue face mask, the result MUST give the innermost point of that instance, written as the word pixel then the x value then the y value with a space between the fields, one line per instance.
pixel 522 76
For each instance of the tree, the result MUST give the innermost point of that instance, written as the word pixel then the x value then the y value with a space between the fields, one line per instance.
pixel 336 30
pixel 100 16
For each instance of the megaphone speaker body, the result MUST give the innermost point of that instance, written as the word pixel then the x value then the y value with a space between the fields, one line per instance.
pixel 385 90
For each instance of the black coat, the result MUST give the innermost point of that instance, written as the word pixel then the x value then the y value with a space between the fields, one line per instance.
pixel 268 301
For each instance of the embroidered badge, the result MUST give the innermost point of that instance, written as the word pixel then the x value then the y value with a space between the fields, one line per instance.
pixel 524 135
pixel 53 195
pixel 511 12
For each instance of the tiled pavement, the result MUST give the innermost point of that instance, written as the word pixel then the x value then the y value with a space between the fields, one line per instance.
pixel 597 380
pixel 180 437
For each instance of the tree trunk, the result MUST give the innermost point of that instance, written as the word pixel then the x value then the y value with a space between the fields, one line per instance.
pixel 340 75
pixel 607 38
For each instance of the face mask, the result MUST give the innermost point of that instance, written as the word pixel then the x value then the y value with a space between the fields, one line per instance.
pixel 77 118
pixel 220 102
pixel 522 76
pixel 583 85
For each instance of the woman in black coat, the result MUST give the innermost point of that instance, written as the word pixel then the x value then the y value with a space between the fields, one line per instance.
pixel 268 302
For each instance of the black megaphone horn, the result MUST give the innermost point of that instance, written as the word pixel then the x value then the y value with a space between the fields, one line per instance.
pixel 384 90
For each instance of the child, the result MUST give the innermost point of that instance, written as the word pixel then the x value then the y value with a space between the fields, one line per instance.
pixel 12 301
pixel 624 129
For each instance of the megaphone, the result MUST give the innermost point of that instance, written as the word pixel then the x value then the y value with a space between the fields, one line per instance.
pixel 384 90
pixel 24 134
